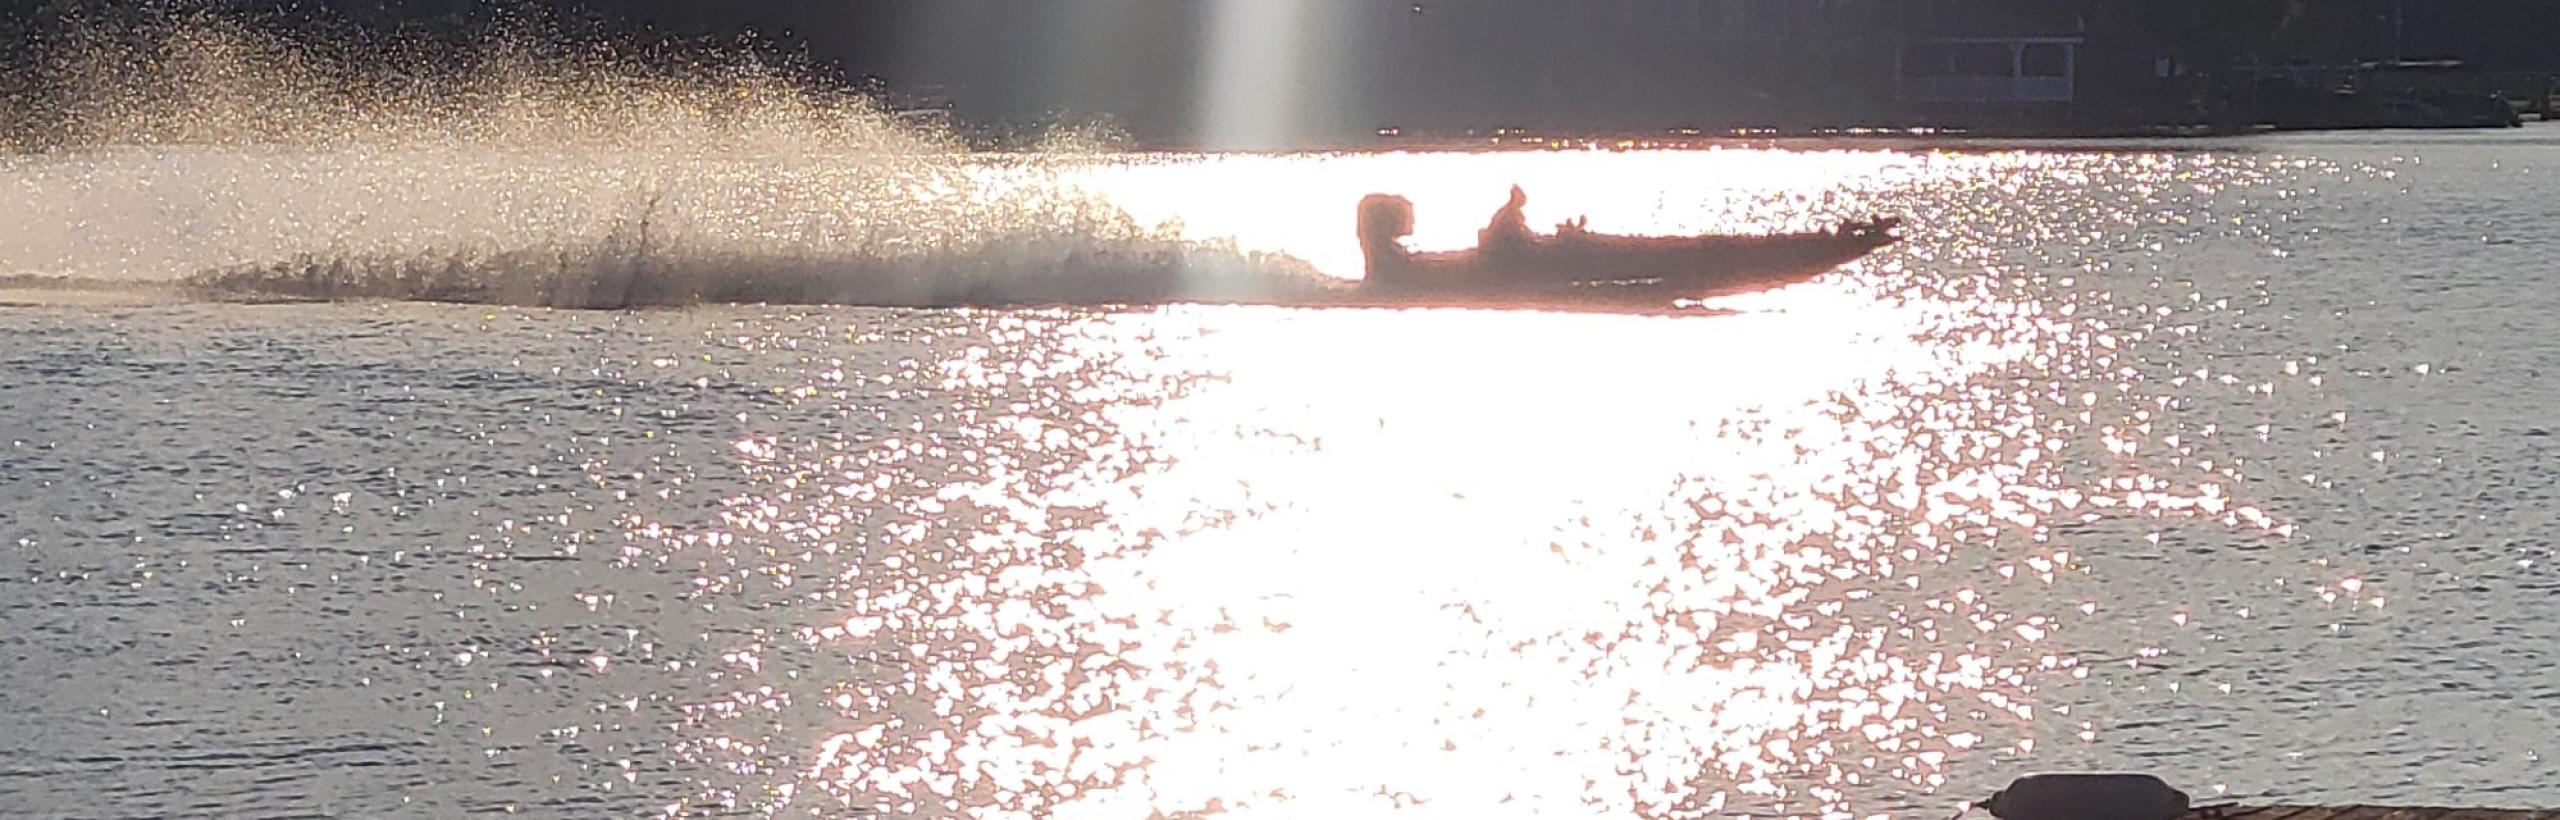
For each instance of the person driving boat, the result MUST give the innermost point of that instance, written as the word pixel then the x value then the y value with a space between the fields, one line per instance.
pixel 1510 226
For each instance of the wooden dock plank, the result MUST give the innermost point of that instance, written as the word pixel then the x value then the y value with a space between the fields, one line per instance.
pixel 2481 814
pixel 2228 812
pixel 2288 812
pixel 2322 813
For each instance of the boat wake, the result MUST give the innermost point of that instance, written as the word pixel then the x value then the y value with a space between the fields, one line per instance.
pixel 631 272
pixel 332 227
pixel 216 160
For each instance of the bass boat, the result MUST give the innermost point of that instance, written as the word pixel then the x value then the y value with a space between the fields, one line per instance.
pixel 1513 265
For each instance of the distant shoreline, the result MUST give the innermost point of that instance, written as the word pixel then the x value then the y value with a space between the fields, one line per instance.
pixel 1698 139
pixel 1527 140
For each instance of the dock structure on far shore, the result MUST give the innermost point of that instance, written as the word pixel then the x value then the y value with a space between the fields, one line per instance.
pixel 2366 813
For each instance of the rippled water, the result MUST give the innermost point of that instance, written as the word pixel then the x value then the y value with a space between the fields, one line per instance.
pixel 2221 460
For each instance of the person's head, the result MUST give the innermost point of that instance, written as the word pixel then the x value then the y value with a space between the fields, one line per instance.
pixel 1384 218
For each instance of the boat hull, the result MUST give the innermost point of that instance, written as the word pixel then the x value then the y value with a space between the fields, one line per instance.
pixel 1576 267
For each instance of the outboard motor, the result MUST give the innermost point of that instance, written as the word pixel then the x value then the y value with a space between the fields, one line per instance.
pixel 2087 796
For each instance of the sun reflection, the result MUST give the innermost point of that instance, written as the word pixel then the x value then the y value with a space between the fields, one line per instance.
pixel 1806 557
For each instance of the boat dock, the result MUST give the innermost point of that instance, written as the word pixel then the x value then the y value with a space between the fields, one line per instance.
pixel 2365 813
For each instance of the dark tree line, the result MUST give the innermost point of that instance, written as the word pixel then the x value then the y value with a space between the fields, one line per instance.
pixel 1597 64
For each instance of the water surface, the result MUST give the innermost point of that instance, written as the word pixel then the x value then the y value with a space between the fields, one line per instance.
pixel 2219 460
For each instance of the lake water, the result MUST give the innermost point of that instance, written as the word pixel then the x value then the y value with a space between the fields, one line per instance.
pixel 2229 461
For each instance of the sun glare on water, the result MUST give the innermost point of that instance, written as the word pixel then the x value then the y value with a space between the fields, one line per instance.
pixel 1434 564
pixel 1280 562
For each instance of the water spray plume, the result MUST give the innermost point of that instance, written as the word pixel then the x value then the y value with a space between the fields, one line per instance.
pixel 527 166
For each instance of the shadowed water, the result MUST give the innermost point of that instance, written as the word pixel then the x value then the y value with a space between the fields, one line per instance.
pixel 2223 461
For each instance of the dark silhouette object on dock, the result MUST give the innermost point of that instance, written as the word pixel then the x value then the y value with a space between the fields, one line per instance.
pixel 1574 264
pixel 2086 796
pixel 2113 796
